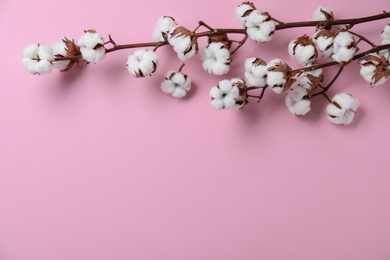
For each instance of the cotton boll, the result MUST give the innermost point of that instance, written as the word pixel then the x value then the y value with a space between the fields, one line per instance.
pixel 163 26
pixel 342 109
pixel 181 40
pixel 90 39
pixel 226 95
pixel 322 14
pixel 324 41
pixel 142 63
pixel 176 84
pixel 344 47
pixel 256 72
pixel 92 46
pixel 276 78
pixel 297 101
pixel 303 50
pixel 216 58
pixel 243 10
pixel 310 79
pixel 38 59
pixel 386 33
pixel 260 26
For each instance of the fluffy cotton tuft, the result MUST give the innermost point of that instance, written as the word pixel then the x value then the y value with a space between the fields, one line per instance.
pixel 342 109
pixel 344 47
pixel 216 58
pixel 92 46
pixel 256 72
pixel 243 10
pixel 323 14
pixel 386 35
pixel 278 76
pixel 163 26
pixel 259 26
pixel 303 50
pixel 375 68
pixel 38 59
pixel 182 42
pixel 310 79
pixel 226 95
pixel 324 40
pixel 298 102
pixel 142 63
pixel 176 84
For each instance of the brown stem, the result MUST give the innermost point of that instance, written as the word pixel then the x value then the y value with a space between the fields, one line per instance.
pixel 352 21
pixel 323 91
pixel 362 38
pixel 333 63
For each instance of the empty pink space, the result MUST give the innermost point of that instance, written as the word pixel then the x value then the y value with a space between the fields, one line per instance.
pixel 96 164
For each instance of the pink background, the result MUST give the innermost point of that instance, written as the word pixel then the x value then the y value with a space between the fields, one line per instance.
pixel 95 164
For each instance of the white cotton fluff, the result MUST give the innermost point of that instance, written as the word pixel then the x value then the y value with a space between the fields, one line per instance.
pixel 304 79
pixel 176 84
pixel 163 26
pixel 324 43
pixel 322 14
pixel 260 27
pixel 181 44
pixel 369 67
pixel 38 59
pixel 342 109
pixel 242 12
pixel 344 47
pixel 216 58
pixel 386 33
pixel 297 101
pixel 256 72
pixel 142 63
pixel 304 55
pixel 60 49
pixel 225 94
pixel 91 46
pixel 275 79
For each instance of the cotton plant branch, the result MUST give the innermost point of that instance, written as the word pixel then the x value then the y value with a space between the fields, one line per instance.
pixel 338 47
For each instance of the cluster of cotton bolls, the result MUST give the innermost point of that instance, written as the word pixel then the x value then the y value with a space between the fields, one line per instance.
pixel 40 59
pixel 259 26
pixel 339 46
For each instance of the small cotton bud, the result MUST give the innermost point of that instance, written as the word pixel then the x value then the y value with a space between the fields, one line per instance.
pixel 303 50
pixel 298 102
pixel 142 63
pixel 342 109
pixel 176 84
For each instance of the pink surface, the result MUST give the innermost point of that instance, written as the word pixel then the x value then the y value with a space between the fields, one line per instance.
pixel 95 164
